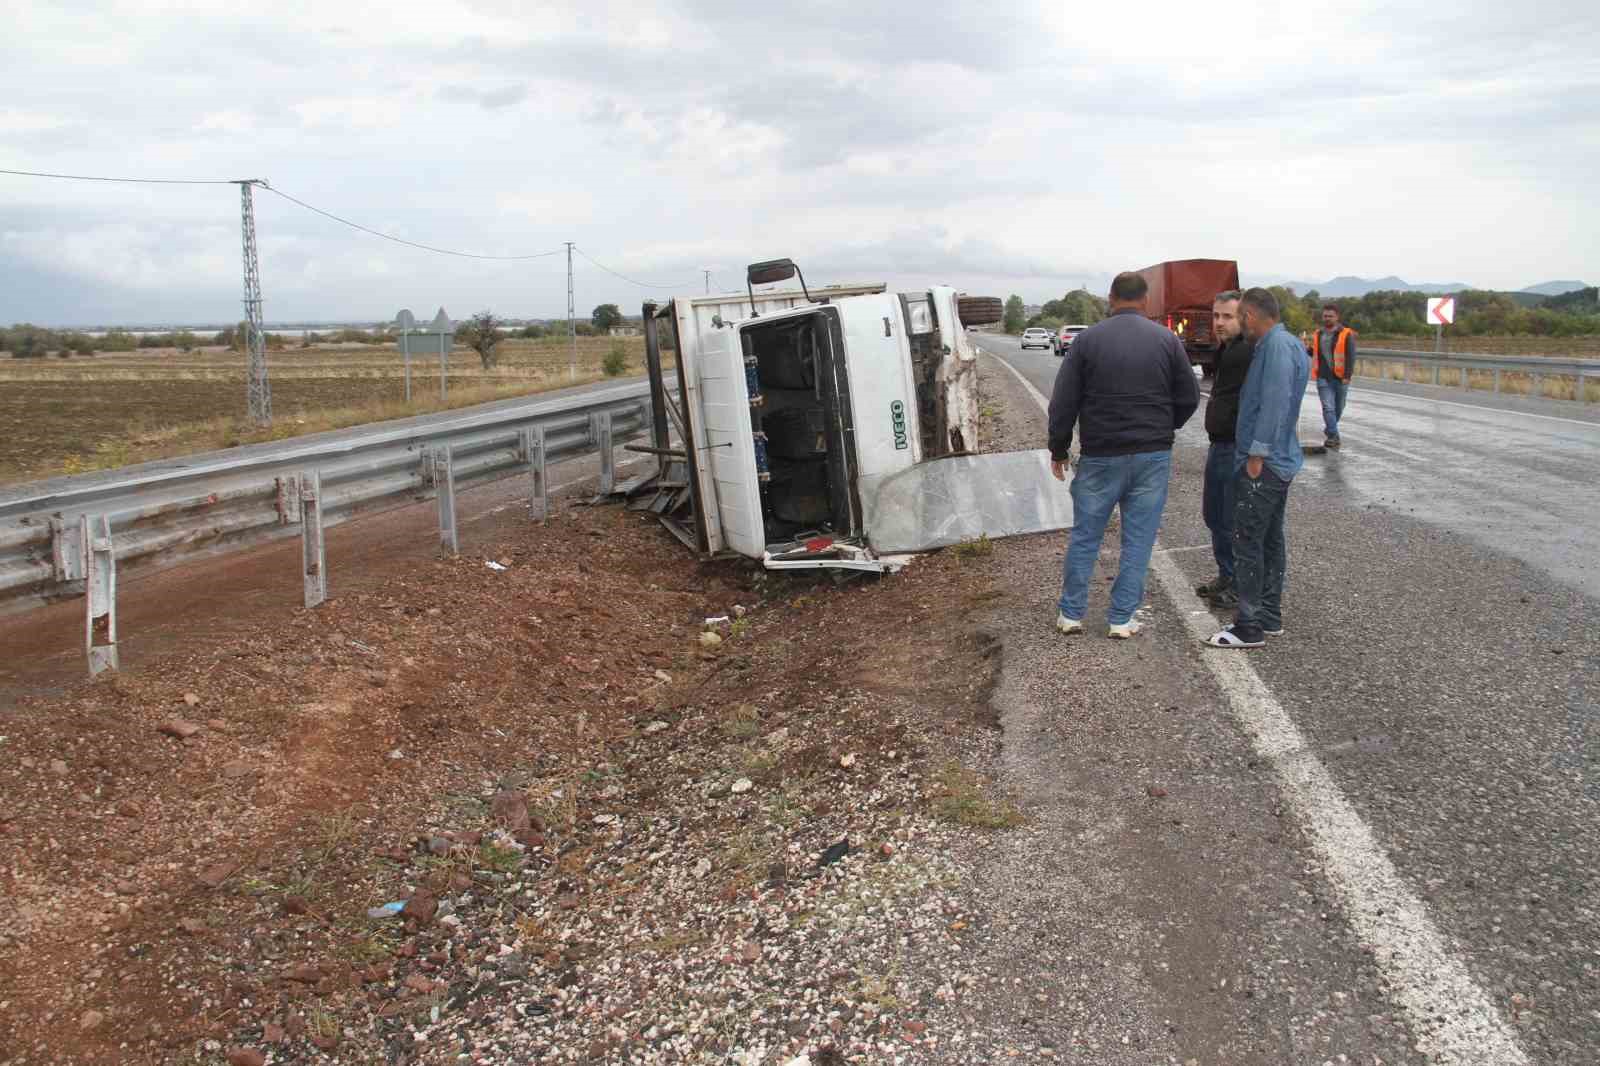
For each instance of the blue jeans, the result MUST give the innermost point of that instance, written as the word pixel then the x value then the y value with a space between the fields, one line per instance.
pixel 1260 551
pixel 1216 505
pixel 1332 392
pixel 1137 485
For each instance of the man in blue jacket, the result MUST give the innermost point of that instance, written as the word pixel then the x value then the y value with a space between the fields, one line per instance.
pixel 1127 386
pixel 1266 457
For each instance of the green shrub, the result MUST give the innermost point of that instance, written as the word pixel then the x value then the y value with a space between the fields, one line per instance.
pixel 616 361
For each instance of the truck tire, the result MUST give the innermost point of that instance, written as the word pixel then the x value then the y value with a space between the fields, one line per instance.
pixel 980 310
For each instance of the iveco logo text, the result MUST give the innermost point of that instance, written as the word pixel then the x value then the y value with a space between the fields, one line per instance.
pixel 897 413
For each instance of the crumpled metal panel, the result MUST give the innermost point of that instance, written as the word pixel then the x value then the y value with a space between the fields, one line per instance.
pixel 960 498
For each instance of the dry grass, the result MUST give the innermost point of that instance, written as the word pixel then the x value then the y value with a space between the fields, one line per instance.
pixel 961 799
pixel 63 416
pixel 1512 383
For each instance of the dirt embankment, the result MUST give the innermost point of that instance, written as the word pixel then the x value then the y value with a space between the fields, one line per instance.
pixel 619 840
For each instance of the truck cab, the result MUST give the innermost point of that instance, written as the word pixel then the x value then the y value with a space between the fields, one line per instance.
pixel 831 429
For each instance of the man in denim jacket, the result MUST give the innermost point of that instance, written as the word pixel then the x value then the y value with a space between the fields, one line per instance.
pixel 1267 456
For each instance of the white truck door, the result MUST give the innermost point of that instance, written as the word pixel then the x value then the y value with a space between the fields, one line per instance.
pixel 883 396
pixel 729 453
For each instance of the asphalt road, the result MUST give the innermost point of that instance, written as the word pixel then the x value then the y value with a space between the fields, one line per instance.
pixel 1431 718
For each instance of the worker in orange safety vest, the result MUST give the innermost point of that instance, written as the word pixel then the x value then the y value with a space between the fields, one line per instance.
pixel 1333 364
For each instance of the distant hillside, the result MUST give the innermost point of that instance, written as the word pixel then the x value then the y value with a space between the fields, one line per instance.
pixel 1347 286
pixel 1556 288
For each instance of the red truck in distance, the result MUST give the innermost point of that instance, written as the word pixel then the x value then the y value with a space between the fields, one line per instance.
pixel 1181 291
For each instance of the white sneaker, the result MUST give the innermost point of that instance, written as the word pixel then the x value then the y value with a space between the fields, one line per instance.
pixel 1067 625
pixel 1124 631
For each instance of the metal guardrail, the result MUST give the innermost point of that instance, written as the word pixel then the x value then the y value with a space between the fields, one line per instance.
pixel 74 536
pixel 1537 366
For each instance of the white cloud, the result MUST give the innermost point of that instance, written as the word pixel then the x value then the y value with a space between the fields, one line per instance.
pixel 1030 151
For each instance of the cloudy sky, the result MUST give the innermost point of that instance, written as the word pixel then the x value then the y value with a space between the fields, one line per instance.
pixel 1003 148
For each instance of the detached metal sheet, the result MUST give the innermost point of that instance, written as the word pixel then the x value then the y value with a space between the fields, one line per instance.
pixel 948 501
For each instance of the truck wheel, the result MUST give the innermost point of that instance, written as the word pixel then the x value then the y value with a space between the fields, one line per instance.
pixel 980 310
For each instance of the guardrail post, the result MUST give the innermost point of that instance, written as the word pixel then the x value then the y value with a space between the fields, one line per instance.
pixel 100 614
pixel 444 483
pixel 533 455
pixel 313 552
pixel 1436 373
pixel 1497 381
pixel 600 437
pixel 1538 385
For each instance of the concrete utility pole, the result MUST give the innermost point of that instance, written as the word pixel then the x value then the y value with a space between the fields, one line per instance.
pixel 708 282
pixel 259 389
pixel 572 319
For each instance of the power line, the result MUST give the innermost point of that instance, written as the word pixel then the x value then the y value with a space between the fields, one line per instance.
pixel 632 281
pixel 123 181
pixel 402 240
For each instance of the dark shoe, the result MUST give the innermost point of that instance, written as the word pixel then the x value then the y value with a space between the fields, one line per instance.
pixel 1232 636
pixel 1333 442
pixel 1214 586
pixel 1224 597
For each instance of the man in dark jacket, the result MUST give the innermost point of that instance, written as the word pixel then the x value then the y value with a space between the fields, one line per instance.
pixel 1222 413
pixel 1127 387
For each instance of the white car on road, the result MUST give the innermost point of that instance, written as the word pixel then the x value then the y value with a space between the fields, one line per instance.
pixel 1036 338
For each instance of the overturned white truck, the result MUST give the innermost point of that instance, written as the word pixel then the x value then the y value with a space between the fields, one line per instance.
pixel 835 428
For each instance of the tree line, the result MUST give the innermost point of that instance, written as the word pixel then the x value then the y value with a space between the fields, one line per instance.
pixel 1479 313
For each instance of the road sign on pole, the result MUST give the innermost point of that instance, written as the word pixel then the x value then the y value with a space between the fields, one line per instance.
pixel 1441 313
pixel 407 322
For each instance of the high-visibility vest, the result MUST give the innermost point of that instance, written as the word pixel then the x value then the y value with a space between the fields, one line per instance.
pixel 1339 343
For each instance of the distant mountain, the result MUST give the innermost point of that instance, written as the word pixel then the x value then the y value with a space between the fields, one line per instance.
pixel 1556 288
pixel 1347 285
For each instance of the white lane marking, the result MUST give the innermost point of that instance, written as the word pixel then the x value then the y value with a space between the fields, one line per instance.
pixel 1454 1020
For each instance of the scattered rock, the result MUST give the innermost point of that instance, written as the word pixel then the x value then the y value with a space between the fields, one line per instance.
pixel 510 809
pixel 438 846
pixel 378 678
pixel 656 727
pixel 295 905
pixel 887 851
pixel 702 867
pixel 192 926
pixel 129 810
pixel 744 784
pixel 418 983
pixel 305 974
pixel 1156 791
pixel 192 699
pixel 420 908
pixel 237 770
pixel 91 1021
pixel 751 953
pixel 847 760
pixel 710 639
pixel 245 1056
pixel 273 1033
pixel 58 767
pixel 663 677
pixel 213 876
pixel 219 724
pixel 178 727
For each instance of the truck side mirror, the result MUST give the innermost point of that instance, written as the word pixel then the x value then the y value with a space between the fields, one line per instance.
pixel 771 271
